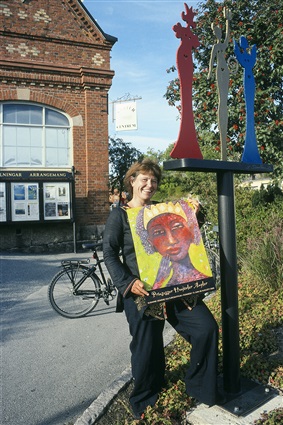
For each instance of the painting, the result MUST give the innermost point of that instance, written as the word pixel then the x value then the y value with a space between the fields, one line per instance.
pixel 171 257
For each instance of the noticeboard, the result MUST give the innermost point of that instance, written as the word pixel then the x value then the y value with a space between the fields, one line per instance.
pixel 57 202
pixel 25 201
pixel 36 196
pixel 3 204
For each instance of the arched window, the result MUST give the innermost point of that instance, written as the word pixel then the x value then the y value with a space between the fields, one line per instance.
pixel 34 136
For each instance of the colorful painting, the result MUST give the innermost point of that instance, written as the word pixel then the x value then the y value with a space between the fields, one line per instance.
pixel 171 257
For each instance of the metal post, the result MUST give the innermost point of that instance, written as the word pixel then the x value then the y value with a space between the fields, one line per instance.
pixel 229 282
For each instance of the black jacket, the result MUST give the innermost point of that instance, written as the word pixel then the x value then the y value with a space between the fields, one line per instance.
pixel 117 236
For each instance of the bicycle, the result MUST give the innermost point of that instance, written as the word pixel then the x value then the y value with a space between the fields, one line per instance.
pixel 211 244
pixel 75 291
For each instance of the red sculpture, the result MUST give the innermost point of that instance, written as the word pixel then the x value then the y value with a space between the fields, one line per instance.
pixel 186 145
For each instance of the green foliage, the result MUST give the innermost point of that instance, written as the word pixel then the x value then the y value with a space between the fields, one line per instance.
pixel 259 222
pixel 261 23
pixel 121 156
pixel 267 196
pixel 264 256
pixel 259 316
pixel 274 418
pixel 176 184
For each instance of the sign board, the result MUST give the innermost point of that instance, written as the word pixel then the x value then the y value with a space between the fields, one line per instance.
pixel 56 201
pixel 3 203
pixel 126 116
pixel 10 175
pixel 36 196
pixel 25 201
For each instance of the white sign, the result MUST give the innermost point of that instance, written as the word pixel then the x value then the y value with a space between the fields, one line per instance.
pixel 3 212
pixel 56 201
pixel 126 116
pixel 25 201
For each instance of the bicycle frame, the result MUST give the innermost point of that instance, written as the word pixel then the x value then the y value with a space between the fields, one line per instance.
pixel 98 264
pixel 72 268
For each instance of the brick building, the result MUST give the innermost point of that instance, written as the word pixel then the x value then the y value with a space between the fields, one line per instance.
pixel 54 83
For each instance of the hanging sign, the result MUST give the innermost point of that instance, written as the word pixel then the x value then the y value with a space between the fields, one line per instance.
pixel 126 116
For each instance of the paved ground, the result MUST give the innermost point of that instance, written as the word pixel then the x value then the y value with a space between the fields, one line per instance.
pixel 52 367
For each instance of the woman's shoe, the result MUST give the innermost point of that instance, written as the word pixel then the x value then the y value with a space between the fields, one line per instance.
pixel 139 416
pixel 221 399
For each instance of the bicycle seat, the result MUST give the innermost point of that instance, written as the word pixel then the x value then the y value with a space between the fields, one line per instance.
pixel 92 245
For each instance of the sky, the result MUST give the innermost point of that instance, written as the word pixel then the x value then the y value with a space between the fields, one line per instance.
pixel 145 49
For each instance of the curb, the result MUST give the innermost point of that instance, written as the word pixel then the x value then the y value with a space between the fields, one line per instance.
pixel 100 404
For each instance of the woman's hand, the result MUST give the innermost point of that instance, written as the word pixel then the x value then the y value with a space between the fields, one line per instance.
pixel 138 288
pixel 195 204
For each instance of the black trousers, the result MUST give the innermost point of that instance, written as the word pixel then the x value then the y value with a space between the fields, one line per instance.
pixel 198 327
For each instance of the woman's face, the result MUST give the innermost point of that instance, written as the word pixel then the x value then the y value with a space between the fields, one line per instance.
pixel 144 187
pixel 170 235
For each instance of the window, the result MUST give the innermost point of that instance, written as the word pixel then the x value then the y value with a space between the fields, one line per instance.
pixel 34 136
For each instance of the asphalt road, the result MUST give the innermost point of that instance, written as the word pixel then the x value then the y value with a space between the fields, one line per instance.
pixel 52 367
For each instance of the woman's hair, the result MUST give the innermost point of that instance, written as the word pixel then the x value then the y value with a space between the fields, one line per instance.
pixel 141 167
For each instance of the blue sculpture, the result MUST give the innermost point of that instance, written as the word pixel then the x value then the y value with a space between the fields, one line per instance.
pixel 247 60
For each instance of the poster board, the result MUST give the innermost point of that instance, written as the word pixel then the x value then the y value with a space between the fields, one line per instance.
pixel 57 203
pixel 25 201
pixel 3 202
pixel 170 253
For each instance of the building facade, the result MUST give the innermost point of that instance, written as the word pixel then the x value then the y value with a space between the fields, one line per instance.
pixel 54 83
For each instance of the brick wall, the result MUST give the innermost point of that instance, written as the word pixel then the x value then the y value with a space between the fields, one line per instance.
pixel 53 53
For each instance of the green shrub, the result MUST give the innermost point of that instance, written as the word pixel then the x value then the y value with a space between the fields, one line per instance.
pixel 266 196
pixel 273 418
pixel 253 221
pixel 264 256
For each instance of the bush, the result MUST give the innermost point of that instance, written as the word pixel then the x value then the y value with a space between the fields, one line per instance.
pixel 273 418
pixel 253 220
pixel 264 257
pixel 267 196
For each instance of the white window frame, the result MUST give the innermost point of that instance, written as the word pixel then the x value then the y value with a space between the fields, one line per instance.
pixel 44 141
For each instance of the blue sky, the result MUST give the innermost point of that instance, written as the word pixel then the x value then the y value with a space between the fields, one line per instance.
pixel 146 47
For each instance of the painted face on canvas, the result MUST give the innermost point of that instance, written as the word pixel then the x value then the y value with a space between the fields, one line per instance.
pixel 170 235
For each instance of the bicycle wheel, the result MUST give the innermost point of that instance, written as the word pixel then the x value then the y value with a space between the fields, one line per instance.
pixel 214 261
pixel 68 303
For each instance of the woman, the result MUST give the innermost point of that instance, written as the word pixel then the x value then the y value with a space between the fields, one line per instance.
pixel 194 322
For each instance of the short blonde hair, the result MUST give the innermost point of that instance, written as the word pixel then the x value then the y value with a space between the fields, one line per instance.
pixel 144 166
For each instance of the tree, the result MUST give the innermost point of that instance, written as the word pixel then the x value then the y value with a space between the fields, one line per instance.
pixel 181 184
pixel 121 156
pixel 261 22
